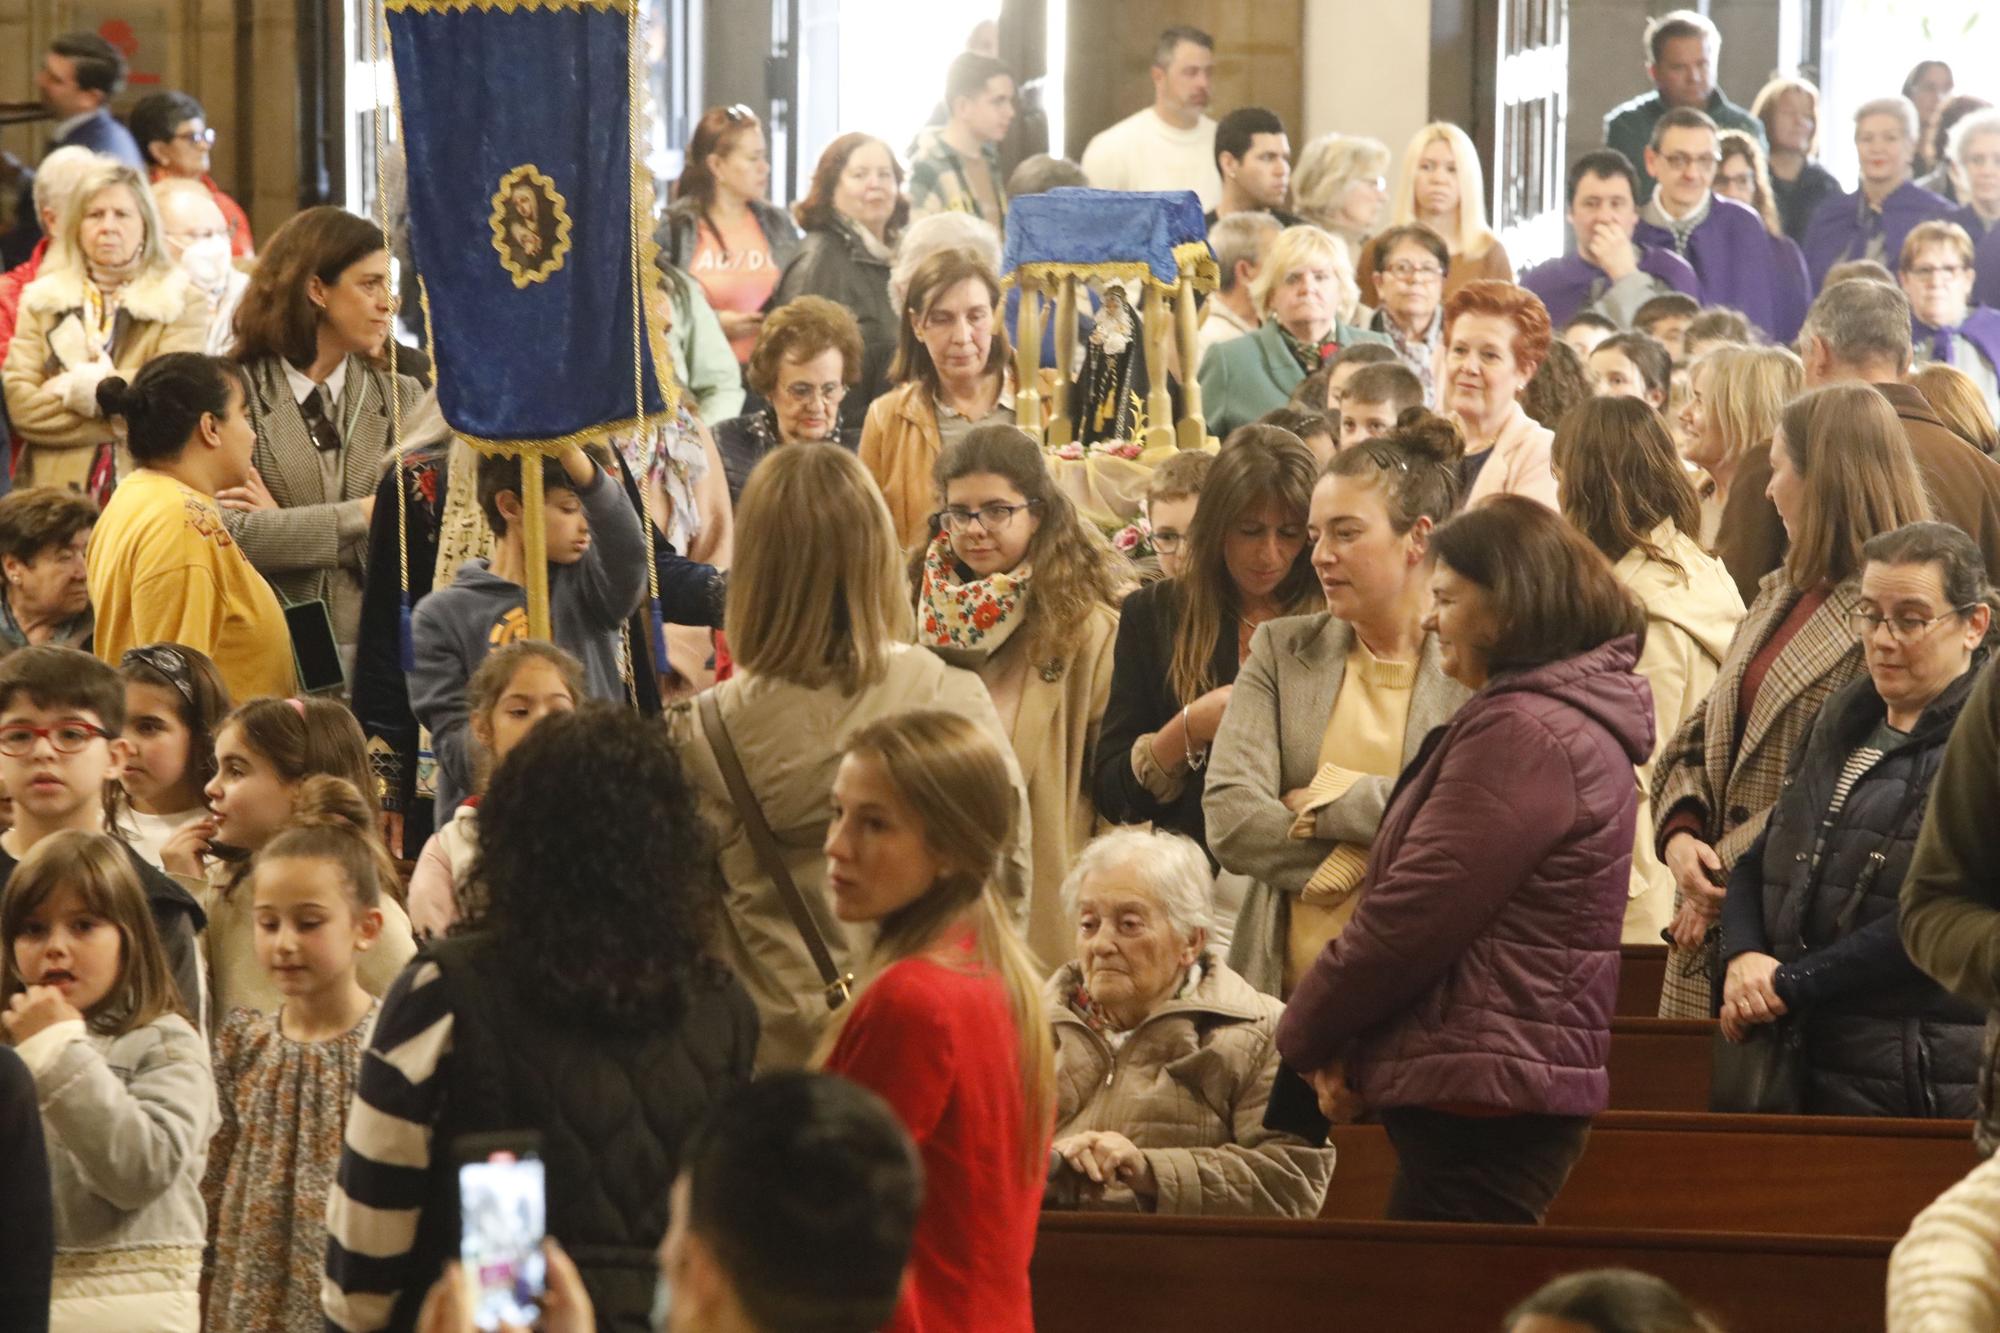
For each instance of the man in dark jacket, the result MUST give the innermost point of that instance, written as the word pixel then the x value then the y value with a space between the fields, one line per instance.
pixel 1681 52
pixel 1859 332
pixel 80 74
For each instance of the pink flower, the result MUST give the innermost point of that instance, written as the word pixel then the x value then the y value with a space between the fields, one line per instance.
pixel 1127 538
pixel 1124 449
pixel 1072 451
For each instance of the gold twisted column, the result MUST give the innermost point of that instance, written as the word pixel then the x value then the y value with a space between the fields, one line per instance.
pixel 1061 432
pixel 1027 363
pixel 1191 431
pixel 1159 406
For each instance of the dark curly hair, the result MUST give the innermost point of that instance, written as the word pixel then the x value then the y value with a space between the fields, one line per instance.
pixel 612 926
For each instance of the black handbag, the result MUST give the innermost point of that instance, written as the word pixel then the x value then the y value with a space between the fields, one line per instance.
pixel 1764 1074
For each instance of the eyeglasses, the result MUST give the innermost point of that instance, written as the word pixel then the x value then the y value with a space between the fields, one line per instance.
pixel 1735 180
pixel 992 518
pixel 801 394
pixel 199 138
pixel 17 742
pixel 1903 629
pixel 1166 541
pixel 1682 161
pixel 1405 271
pixel 163 659
pixel 1925 272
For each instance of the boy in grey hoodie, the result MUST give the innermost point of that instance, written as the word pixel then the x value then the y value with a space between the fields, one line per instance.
pixel 597 575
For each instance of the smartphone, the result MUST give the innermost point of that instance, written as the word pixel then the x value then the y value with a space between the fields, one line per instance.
pixel 315 653
pixel 503 1216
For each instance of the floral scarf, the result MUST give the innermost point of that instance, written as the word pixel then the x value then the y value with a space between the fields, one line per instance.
pixel 1311 356
pixel 975 616
pixel 1097 1020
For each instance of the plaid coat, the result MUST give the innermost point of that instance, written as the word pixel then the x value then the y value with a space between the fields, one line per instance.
pixel 1731 787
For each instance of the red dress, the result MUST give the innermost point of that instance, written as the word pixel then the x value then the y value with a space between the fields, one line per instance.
pixel 938 1044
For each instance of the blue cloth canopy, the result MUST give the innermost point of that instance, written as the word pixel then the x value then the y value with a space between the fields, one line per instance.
pixel 1117 234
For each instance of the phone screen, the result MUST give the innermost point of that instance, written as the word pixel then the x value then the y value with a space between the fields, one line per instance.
pixel 503 1215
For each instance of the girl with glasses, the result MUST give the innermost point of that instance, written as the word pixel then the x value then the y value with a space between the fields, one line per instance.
pixel 1015 586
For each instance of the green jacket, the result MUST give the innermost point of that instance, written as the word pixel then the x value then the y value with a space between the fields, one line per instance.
pixel 1246 377
pixel 1629 128
pixel 1950 905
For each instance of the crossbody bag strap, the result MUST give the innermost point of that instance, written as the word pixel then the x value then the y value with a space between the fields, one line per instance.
pixel 839 986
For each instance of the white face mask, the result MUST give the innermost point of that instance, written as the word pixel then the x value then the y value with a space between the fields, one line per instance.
pixel 207 262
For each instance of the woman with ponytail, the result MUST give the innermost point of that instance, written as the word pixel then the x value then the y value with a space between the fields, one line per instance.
pixel 162 567
pixel 284 1079
pixel 923 811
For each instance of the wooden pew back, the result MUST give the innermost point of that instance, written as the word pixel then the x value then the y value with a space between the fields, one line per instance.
pixel 1101 1272
pixel 1663 1171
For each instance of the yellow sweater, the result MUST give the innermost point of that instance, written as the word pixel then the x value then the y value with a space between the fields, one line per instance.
pixel 163 569
pixel 1364 736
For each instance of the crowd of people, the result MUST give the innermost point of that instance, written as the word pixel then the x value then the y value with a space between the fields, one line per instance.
pixel 936 875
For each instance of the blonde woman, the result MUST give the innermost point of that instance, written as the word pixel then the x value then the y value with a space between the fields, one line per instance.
pixel 822 649
pixel 1305 284
pixel 1442 186
pixel 1789 109
pixel 949 1028
pixel 1340 185
pixel 106 300
pixel 1955 397
pixel 1734 399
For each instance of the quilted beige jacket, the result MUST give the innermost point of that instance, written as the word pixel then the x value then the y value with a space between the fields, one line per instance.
pixel 1188 1087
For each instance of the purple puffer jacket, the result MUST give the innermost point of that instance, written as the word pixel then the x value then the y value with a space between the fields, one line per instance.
pixel 1482 964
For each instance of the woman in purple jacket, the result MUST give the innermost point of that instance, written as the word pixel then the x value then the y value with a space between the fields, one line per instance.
pixel 1468 1003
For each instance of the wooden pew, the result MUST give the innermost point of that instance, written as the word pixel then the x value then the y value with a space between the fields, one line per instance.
pixel 1665 1171
pixel 1101 1272
pixel 1661 1064
pixel 1642 968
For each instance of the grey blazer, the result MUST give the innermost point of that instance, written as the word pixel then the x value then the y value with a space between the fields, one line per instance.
pixel 300 545
pixel 1268 745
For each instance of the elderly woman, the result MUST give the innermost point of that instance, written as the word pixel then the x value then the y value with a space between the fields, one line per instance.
pixel 807 358
pixel 1809 927
pixel 1340 185
pixel 44 533
pixel 1841 472
pixel 1495 337
pixel 1468 1002
pixel 854 217
pixel 1442 187
pixel 1164 1057
pixel 106 301
pixel 1974 148
pixel 1871 221
pixel 1937 275
pixel 1328 708
pixel 1410 263
pixel 173 133
pixel 1305 281
pixel 951 371
pixel 1789 110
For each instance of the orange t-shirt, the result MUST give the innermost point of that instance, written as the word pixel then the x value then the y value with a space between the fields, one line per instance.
pixel 736 271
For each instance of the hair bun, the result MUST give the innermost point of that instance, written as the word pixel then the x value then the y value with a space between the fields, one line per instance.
pixel 1425 435
pixel 326 801
pixel 114 396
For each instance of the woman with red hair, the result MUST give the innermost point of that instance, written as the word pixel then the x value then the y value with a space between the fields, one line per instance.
pixel 721 229
pixel 1495 336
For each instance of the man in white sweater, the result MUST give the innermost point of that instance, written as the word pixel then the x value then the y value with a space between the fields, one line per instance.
pixel 1169 145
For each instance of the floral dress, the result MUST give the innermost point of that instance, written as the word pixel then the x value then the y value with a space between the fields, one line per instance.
pixel 270 1168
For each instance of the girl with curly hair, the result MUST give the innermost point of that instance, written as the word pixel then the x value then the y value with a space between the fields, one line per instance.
pixel 583 1009
pixel 1015 585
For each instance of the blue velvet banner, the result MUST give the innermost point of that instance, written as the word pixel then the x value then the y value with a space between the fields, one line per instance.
pixel 1118 232
pixel 516 119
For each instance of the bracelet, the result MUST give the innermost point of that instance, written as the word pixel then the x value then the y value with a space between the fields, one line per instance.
pixel 1194 760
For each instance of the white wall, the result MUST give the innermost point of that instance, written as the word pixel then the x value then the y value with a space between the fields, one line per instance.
pixel 1367 70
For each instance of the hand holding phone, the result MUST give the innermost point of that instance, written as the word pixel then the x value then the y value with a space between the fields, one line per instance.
pixel 503 1218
